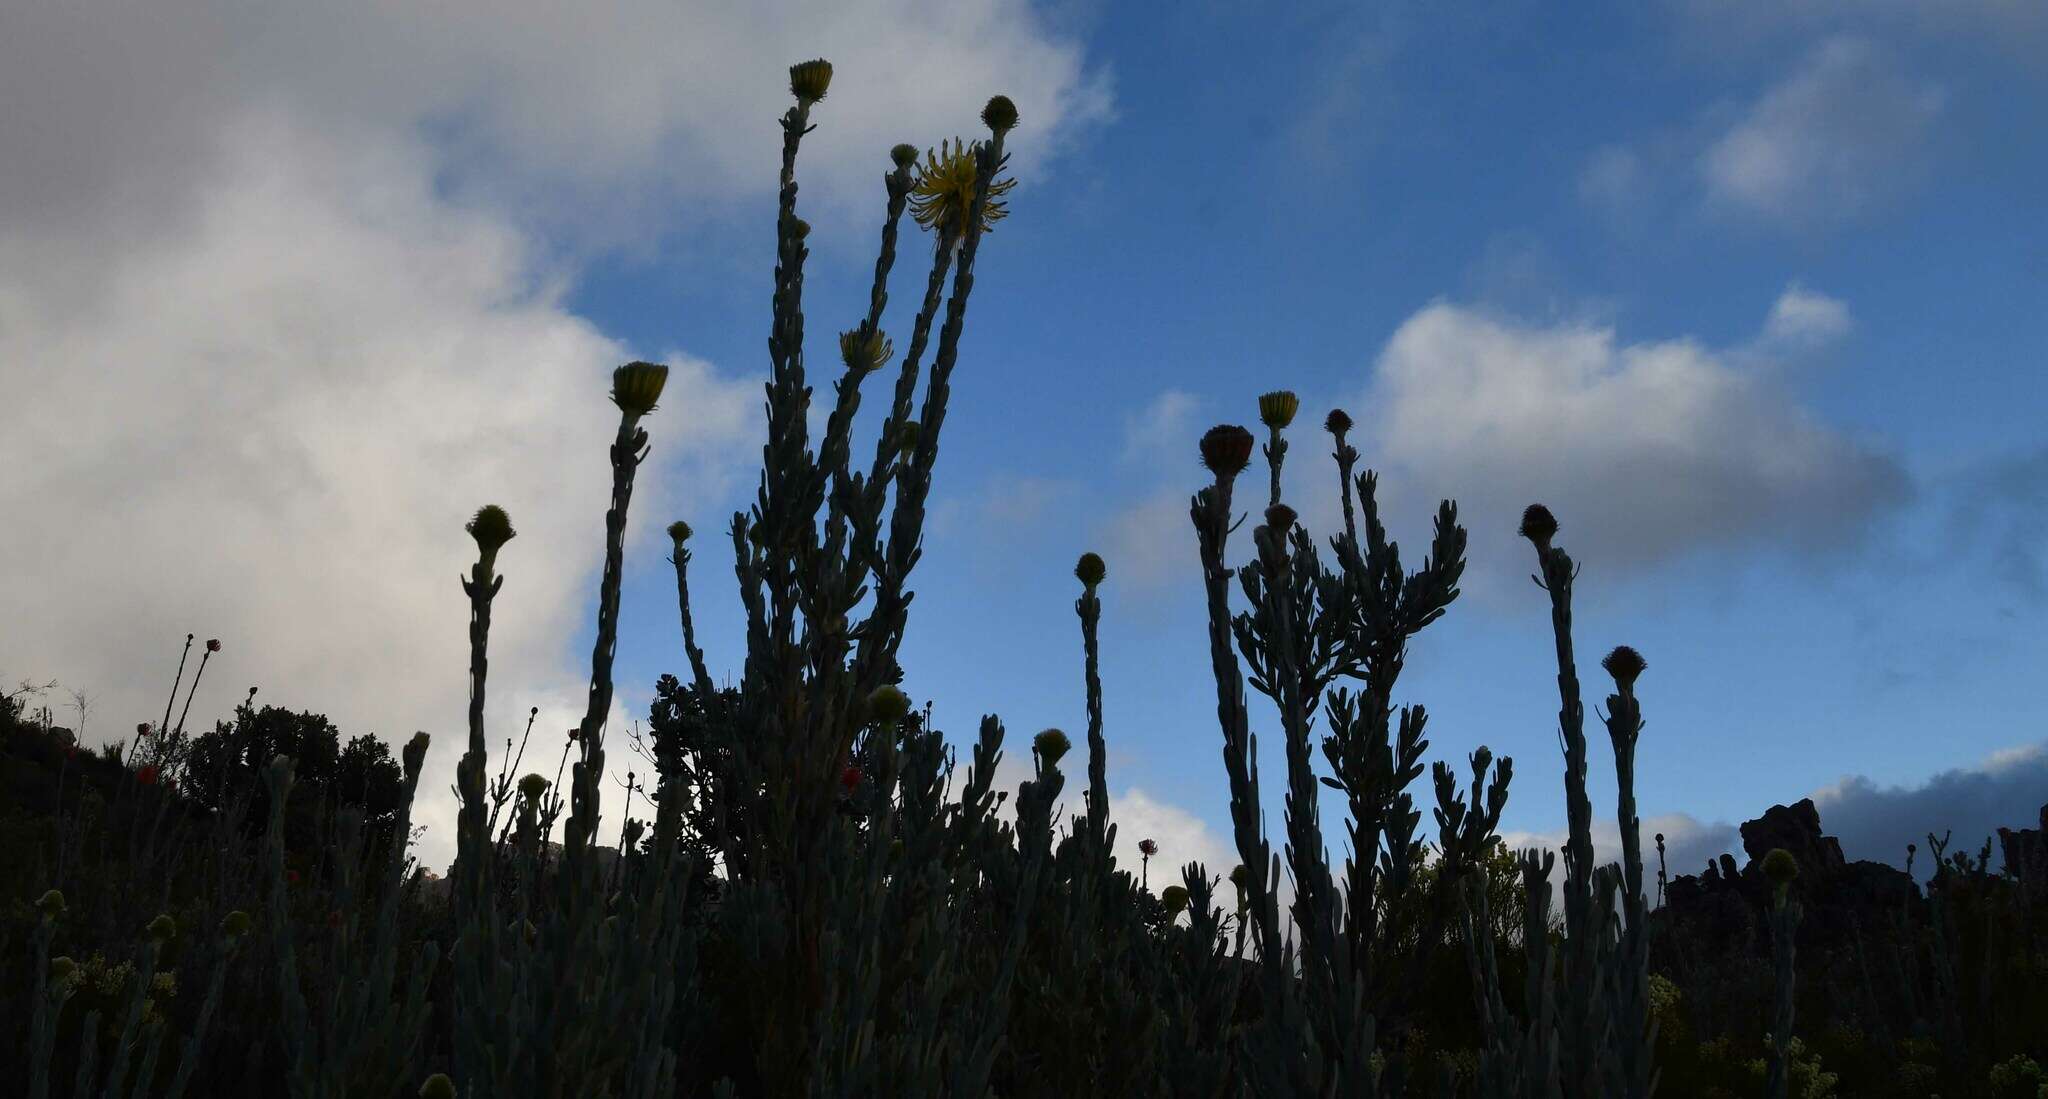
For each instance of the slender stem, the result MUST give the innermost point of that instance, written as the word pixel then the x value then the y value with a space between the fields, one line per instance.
pixel 172 701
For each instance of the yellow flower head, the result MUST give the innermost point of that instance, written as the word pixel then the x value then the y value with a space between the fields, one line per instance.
pixel 865 352
pixel 944 191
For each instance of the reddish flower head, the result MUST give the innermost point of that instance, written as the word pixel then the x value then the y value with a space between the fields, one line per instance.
pixel 1147 848
pixel 213 644
pixel 142 728
pixel 147 775
pixel 850 778
pixel 291 876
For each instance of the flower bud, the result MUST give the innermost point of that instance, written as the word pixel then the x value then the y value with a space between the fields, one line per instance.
pixel 1538 525
pixel 50 904
pixel 1624 664
pixel 213 644
pixel 163 928
pixel 438 1086
pixel 1090 570
pixel 888 703
pixel 803 228
pixel 1277 409
pixel 236 924
pixel 62 967
pixel 907 437
pixel 809 80
pixel 903 156
pixel 491 528
pixel 1000 115
pixel 1175 898
pixel 142 728
pixel 1239 877
pixel 1051 745
pixel 1337 422
pixel 637 385
pixel 1281 518
pixel 679 532
pixel 1226 450
pixel 1780 867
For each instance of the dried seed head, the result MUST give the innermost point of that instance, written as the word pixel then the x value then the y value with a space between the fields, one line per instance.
pixel 532 787
pixel 1624 664
pixel 888 703
pixel 1538 525
pixel 162 929
pixel 1148 848
pixel 1175 898
pixel 1051 745
pixel 679 532
pixel 1780 867
pixel 1226 450
pixel 62 967
pixel 809 80
pixel 1277 409
pixel 904 155
pixel 1280 517
pixel 1337 422
pixel 1000 115
pixel 236 924
pixel 637 385
pixel 491 528
pixel 438 1086
pixel 50 904
pixel 1090 570
pixel 865 352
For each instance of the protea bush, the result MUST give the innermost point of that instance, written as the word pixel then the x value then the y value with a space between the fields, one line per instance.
pixel 814 908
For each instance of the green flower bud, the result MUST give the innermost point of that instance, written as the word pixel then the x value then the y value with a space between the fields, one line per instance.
pixel 888 703
pixel 1051 745
pixel 1090 570
pixel 62 967
pixel 438 1086
pixel 803 228
pixel 1000 115
pixel 50 904
pixel 1175 898
pixel 491 528
pixel 903 156
pixel 236 924
pixel 637 385
pixel 1226 450
pixel 1624 664
pixel 163 929
pixel 532 787
pixel 809 80
pixel 865 353
pixel 1780 867
pixel 1277 409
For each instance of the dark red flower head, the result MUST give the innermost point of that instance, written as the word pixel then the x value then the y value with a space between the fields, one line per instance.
pixel 292 876
pixel 142 728
pixel 147 776
pixel 1147 848
pixel 1226 450
pixel 213 644
pixel 850 778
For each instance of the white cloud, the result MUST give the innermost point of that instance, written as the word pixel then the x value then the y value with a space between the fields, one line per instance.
pixel 1645 451
pixel 282 301
pixel 1613 179
pixel 1162 433
pixel 1803 318
pixel 2008 790
pixel 1842 134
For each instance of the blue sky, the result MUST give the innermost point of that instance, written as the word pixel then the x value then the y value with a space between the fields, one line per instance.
pixel 1753 295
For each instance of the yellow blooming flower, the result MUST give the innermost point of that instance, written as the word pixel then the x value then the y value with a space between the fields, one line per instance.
pixel 945 189
pixel 865 353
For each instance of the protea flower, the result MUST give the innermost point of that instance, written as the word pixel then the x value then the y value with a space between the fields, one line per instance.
pixel 61 968
pixel 1050 745
pixel 213 644
pixel 50 904
pixel 944 191
pixel 849 779
pixel 532 787
pixel 1000 115
pixel 163 928
pixel 141 729
pixel 1337 422
pixel 1538 525
pixel 808 80
pixel 1148 848
pixel 888 703
pixel 679 532
pixel 438 1086
pixel 904 155
pixel 1090 570
pixel 1226 450
pixel 863 351
pixel 907 436
pixel 1624 664
pixel 1277 409
pixel 637 385
pixel 1780 867
pixel 1280 517
pixel 491 528
pixel 236 924
pixel 1175 898
pixel 147 775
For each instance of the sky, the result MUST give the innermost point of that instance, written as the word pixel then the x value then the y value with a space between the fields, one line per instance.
pixel 1752 295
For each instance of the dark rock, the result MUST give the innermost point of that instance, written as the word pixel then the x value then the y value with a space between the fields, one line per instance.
pixel 1796 828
